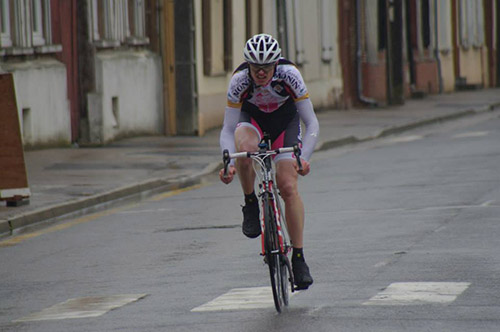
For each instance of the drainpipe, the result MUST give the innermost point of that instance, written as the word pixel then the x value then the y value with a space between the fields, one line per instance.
pixel 436 49
pixel 361 97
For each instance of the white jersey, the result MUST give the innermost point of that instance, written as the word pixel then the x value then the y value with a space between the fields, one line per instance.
pixel 286 83
pixel 274 106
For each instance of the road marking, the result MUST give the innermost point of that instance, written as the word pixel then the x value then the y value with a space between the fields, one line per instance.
pixel 83 307
pixel 471 134
pixel 11 241
pixel 415 293
pixel 487 203
pixel 177 192
pixel 240 299
pixel 382 264
pixel 145 211
pixel 404 139
pixel 20 238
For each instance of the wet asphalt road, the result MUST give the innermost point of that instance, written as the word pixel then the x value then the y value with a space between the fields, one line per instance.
pixel 401 235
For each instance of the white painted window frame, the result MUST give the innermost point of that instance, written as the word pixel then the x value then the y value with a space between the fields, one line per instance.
pixel 93 26
pixel 298 34
pixel 326 40
pixel 139 19
pixel 117 23
pixel 28 29
pixel 37 21
pixel 139 24
pixel 5 36
pixel 478 34
pixel 444 21
pixel 22 22
pixel 471 23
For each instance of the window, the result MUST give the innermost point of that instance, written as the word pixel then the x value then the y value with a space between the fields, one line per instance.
pixel 426 23
pixel 253 17
pixel 382 25
pixel 26 27
pixel 5 38
pixel 444 24
pixel 471 23
pixel 326 40
pixel 114 23
pixel 282 20
pixel 298 35
pixel 217 29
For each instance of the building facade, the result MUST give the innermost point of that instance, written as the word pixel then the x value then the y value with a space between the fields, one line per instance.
pixel 93 71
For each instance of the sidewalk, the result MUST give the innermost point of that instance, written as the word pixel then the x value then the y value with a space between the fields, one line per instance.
pixel 74 181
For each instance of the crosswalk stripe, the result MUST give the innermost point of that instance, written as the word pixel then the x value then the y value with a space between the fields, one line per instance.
pixel 471 134
pixel 82 307
pixel 240 299
pixel 414 293
pixel 404 139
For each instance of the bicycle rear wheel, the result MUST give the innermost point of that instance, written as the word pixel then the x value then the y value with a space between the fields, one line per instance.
pixel 275 260
pixel 286 278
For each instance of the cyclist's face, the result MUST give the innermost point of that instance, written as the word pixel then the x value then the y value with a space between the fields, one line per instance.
pixel 262 74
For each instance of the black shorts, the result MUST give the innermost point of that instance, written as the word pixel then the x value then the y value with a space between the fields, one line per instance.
pixel 282 125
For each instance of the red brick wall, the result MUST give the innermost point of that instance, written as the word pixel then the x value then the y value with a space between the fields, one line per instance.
pixel 375 81
pixel 426 76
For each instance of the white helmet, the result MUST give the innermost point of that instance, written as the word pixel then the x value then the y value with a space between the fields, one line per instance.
pixel 262 49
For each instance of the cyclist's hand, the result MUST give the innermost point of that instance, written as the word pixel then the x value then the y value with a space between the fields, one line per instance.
pixel 306 167
pixel 231 170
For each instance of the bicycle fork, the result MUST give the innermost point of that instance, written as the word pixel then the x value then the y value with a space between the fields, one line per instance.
pixel 282 249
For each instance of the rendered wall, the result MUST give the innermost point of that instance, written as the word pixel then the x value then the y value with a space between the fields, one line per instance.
pixel 472 65
pixel 128 99
pixel 323 79
pixel 212 90
pixel 447 71
pixel 41 92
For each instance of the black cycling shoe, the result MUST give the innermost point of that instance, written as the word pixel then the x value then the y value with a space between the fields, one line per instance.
pixel 301 274
pixel 251 222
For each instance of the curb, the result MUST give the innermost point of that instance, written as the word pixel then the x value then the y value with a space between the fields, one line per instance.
pixel 147 188
pixel 97 202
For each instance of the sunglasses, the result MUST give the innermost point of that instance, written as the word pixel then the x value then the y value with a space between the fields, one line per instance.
pixel 265 68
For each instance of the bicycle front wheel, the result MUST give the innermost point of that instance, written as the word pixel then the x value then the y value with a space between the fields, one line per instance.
pixel 277 268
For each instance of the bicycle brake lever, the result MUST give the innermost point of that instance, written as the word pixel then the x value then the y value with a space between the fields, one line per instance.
pixel 297 153
pixel 225 159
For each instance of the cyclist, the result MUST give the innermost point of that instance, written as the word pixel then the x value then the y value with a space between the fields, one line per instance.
pixel 267 94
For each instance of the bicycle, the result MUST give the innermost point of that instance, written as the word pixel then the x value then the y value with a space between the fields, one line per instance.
pixel 275 245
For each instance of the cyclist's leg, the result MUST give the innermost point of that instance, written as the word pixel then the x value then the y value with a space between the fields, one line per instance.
pixel 246 139
pixel 286 177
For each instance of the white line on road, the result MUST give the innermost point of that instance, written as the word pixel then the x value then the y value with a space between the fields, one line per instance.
pixel 240 299
pixel 145 211
pixel 404 139
pixel 414 293
pixel 83 307
pixel 471 134
pixel 488 203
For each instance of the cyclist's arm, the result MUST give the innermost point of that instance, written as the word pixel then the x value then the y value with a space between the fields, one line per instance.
pixel 231 118
pixel 307 115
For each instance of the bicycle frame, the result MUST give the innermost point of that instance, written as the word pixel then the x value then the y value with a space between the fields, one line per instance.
pixel 267 187
pixel 267 181
pixel 274 252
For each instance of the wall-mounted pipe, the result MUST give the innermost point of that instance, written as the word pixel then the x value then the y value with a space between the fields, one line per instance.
pixel 361 97
pixel 436 49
